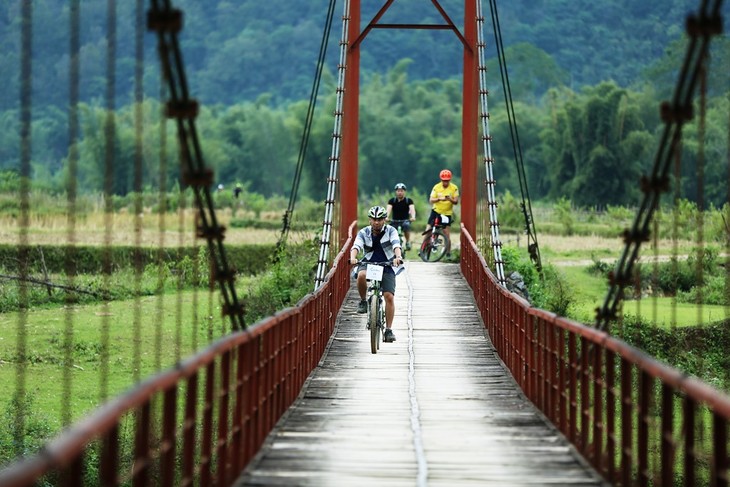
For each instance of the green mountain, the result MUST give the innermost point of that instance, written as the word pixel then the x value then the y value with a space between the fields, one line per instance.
pixel 237 50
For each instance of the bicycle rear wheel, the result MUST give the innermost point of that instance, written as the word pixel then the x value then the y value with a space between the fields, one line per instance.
pixel 435 246
pixel 373 322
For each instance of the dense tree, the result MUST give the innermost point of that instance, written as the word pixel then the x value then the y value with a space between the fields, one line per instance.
pixel 250 64
pixel 596 147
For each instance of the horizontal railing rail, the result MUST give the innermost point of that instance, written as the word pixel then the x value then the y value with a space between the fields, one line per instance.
pixel 201 422
pixel 636 420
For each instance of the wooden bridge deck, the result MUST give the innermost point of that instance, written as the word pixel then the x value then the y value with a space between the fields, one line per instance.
pixel 437 407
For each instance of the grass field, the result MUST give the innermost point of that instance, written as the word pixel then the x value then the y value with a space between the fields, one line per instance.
pixel 181 327
pixel 149 229
pixel 590 292
pixel 183 324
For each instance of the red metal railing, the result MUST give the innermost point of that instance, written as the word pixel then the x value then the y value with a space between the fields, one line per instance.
pixel 637 421
pixel 228 398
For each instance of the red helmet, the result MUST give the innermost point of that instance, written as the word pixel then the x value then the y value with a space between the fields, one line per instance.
pixel 445 175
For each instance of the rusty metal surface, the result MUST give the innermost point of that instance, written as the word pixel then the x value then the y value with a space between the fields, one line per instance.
pixel 437 407
pixel 637 436
pixel 271 360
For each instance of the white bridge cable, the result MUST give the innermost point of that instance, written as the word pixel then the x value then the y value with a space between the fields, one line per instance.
pixel 324 246
pixel 488 160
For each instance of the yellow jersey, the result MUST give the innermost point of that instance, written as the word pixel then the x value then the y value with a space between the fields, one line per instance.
pixel 445 207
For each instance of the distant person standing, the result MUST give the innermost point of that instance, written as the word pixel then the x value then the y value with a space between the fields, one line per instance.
pixel 237 190
pixel 401 212
pixel 444 196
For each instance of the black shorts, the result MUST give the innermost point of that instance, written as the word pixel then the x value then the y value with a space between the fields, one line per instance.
pixel 404 224
pixel 388 282
pixel 432 217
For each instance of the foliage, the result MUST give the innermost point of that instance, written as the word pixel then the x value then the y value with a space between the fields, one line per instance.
pixel 700 351
pixel 158 272
pixel 34 428
pixel 237 51
pixel 564 212
pixel 681 277
pixel 550 291
pixel 599 267
pixel 283 283
pixel 87 259
pixel 596 146
pixel 510 213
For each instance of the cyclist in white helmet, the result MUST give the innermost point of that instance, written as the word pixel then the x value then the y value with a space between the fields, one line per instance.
pixel 380 243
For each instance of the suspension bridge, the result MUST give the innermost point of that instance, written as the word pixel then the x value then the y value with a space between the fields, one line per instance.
pixel 480 387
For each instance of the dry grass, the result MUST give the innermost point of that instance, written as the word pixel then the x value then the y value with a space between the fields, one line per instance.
pixel 562 248
pixel 175 229
pixel 122 228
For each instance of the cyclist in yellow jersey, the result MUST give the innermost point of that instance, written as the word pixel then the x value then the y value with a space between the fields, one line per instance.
pixel 444 196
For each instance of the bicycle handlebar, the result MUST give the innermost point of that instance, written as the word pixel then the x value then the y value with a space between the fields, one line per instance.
pixel 387 262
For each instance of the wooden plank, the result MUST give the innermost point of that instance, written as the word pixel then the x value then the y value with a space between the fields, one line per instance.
pixel 437 407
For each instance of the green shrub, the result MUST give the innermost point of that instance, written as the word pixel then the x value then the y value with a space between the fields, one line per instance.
pixel 24 430
pixel 246 259
pixel 517 260
pixel 599 267
pixel 700 351
pixel 283 283
pixel 168 270
pixel 553 292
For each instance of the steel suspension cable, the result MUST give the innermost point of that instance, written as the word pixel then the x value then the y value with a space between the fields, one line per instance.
pixel 138 162
pixel 701 27
pixel 71 196
pixel 109 166
pixel 323 260
pixel 22 409
pixel 307 127
pixel 487 148
pixel 167 22
pixel 532 245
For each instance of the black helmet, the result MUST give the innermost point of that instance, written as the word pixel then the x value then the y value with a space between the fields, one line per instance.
pixel 400 186
pixel 377 212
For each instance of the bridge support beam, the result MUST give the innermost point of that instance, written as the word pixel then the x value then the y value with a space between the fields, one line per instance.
pixel 350 126
pixel 351 107
pixel 470 119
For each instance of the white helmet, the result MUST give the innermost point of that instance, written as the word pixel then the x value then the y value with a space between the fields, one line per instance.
pixel 377 212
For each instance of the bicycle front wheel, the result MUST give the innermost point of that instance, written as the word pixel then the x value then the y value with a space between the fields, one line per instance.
pixel 373 321
pixel 435 246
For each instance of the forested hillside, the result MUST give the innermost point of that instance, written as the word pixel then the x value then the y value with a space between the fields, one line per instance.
pixel 237 50
pixel 251 63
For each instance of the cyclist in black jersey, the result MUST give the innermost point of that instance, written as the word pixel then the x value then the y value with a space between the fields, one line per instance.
pixel 401 212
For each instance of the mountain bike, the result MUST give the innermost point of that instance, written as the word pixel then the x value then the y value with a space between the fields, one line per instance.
pixel 436 244
pixel 398 225
pixel 376 303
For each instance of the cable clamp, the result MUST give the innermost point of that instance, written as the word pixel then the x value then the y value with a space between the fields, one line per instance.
pixel 225 275
pixel 238 308
pixel 635 236
pixel 198 179
pixel 170 20
pixel 654 184
pixel 620 281
pixel 703 26
pixel 675 114
pixel 183 109
pixel 211 233
pixel 604 316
